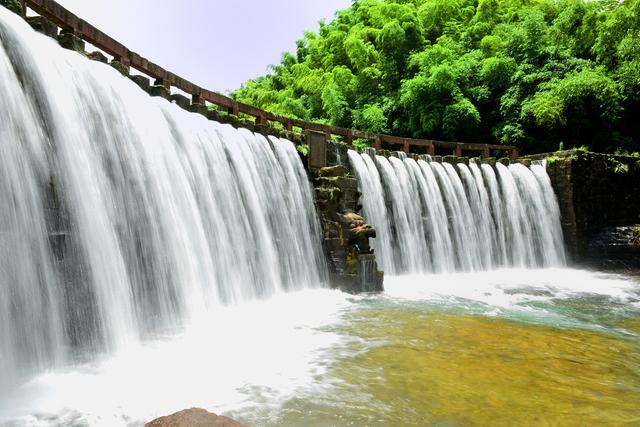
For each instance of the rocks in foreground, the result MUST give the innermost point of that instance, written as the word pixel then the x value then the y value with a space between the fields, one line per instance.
pixel 194 417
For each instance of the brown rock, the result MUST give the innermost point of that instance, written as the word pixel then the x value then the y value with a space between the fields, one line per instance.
pixel 194 417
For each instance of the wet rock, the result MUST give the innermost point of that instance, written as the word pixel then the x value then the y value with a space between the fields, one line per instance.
pixel 71 41
pixel 142 81
pixel 13 5
pixel 181 100
pixel 616 248
pixel 43 26
pixel 194 417
pixel 489 161
pixel 346 234
pixel 213 115
pixel 450 159
pixel 122 69
pixel 98 56
pixel 160 91
pixel 198 109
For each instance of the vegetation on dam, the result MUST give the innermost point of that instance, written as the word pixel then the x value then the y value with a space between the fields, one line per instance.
pixel 531 73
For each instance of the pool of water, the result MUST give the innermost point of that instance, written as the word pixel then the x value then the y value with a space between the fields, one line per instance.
pixel 513 347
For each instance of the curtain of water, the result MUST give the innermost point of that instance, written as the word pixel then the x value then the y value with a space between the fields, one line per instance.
pixel 122 215
pixel 442 218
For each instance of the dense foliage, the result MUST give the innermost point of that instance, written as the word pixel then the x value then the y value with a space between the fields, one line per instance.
pixel 531 73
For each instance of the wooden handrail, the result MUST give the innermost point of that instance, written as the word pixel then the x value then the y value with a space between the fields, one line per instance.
pixel 69 22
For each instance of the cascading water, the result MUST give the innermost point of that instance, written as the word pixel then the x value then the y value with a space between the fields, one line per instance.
pixel 440 218
pixel 122 215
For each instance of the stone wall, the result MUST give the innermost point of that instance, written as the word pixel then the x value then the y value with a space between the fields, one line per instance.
pixel 598 195
pixel 350 259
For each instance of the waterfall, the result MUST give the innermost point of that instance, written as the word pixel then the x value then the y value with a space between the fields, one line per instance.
pixel 442 218
pixel 122 216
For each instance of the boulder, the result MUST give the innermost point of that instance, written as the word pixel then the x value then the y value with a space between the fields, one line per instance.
pixel 194 417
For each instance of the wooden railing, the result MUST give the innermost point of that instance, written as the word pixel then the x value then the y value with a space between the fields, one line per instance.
pixel 69 22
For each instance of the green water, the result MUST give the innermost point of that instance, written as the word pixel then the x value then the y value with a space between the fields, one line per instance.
pixel 501 354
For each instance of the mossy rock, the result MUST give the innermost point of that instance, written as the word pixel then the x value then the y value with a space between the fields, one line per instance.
pixel 198 108
pixel 635 238
pixel 71 41
pixel 13 5
pixel 352 217
pixel 213 115
pixel 98 56
pixel 160 91
pixel 332 171
pixel 328 194
pixel 43 26
pixel 142 81
pixel 122 69
pixel 181 100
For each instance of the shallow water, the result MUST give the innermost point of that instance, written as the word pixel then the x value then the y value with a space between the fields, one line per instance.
pixel 512 347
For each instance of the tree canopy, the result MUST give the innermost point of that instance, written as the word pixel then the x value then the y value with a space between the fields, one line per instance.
pixel 530 73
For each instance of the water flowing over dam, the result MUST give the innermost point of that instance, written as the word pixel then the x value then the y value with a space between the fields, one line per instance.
pixel 154 259
pixel 122 215
pixel 442 218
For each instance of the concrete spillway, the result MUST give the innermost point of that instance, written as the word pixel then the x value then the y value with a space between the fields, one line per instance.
pixel 122 215
pixel 441 218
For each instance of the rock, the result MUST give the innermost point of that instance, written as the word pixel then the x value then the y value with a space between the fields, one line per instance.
pixel 332 171
pixel 71 41
pixel 142 81
pixel 43 25
pixel 13 5
pixel 194 417
pixel 123 69
pixel 213 115
pixel 161 91
pixel 181 100
pixel 353 217
pixel 98 56
pixel 491 161
pixel 450 159
pixel 198 109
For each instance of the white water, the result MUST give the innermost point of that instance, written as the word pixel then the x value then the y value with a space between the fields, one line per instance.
pixel 122 216
pixel 175 231
pixel 444 218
